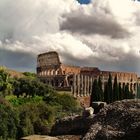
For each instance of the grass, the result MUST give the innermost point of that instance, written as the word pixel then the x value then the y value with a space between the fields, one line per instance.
pixel 64 92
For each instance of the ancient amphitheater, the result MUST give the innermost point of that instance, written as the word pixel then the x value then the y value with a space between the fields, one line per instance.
pixel 77 79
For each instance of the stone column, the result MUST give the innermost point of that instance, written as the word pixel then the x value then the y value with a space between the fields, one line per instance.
pixel 91 82
pixel 85 84
pixel 74 85
pixel 82 86
pixel 88 92
pixel 103 81
pixel 132 87
pixel 135 89
pixel 78 85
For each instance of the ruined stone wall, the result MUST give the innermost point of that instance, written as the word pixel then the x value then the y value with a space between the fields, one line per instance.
pixel 47 59
pixel 124 78
pixel 48 64
pixel 66 69
pixel 82 85
pixel 90 71
pixel 79 79
pixel 50 70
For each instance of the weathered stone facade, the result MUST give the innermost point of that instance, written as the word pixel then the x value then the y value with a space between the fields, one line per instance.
pixel 78 79
pixel 51 71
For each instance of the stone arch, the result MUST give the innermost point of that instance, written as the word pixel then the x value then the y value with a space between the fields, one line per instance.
pixel 135 86
pixel 123 86
pixel 49 72
pixel 131 87
pixel 53 72
pixel 128 86
pixel 120 84
pixel 56 72
pixel 44 72
pixel 59 72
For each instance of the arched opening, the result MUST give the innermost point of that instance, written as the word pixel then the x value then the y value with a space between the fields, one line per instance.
pixel 135 86
pixel 48 73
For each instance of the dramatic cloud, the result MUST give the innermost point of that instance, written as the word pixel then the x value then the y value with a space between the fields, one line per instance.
pixel 104 34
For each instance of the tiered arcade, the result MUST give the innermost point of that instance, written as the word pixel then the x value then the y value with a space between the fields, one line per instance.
pixel 50 70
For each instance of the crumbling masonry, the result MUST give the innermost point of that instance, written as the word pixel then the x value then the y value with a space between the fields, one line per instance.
pixel 77 79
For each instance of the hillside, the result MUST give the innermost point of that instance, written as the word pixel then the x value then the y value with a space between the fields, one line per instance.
pixel 14 73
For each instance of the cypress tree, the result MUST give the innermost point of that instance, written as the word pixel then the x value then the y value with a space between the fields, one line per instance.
pixel 115 90
pixel 120 92
pixel 95 96
pixel 123 91
pixel 126 92
pixel 110 92
pixel 100 88
pixel 106 94
pixel 138 91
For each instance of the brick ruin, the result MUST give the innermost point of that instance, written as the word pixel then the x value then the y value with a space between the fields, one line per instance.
pixel 77 79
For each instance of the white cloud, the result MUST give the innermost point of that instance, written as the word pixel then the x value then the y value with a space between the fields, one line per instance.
pixel 103 33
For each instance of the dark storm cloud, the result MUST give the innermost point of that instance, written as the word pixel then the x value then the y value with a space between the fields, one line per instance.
pixel 90 24
pixel 129 63
pixel 104 33
pixel 17 60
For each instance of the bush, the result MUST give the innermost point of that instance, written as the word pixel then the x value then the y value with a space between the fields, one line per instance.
pixel 8 122
pixel 20 101
pixel 35 119
pixel 65 104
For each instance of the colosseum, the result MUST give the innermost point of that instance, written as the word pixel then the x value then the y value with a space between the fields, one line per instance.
pixel 77 79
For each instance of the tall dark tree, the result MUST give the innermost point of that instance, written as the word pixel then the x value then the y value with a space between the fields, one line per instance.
pixel 115 90
pixel 95 96
pixel 126 92
pixel 123 91
pixel 106 93
pixel 100 88
pixel 120 92
pixel 110 91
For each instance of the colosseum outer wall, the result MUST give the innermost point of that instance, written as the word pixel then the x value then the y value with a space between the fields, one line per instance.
pixel 51 71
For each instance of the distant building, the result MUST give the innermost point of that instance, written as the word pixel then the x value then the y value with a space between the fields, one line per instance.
pixel 50 70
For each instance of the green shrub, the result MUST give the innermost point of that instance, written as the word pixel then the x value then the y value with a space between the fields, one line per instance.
pixel 65 104
pixel 35 119
pixel 20 101
pixel 8 122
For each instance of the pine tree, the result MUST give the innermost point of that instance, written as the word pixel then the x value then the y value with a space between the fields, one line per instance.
pixel 100 88
pixel 115 90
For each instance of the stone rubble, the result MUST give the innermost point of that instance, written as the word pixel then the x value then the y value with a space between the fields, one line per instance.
pixel 119 120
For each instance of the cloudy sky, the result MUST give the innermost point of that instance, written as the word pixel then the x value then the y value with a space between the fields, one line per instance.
pixel 103 33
